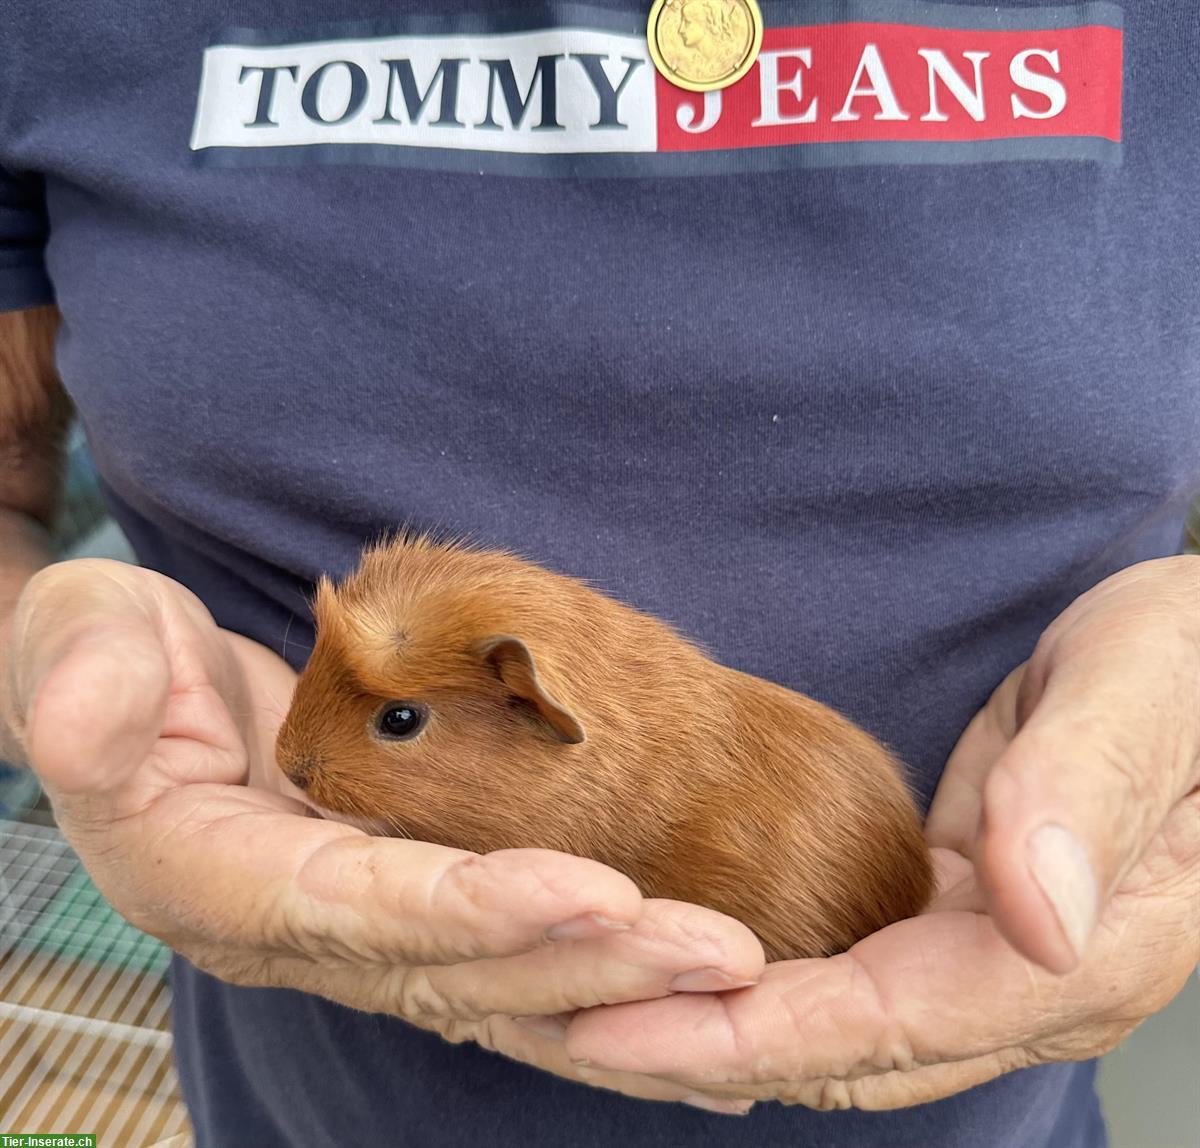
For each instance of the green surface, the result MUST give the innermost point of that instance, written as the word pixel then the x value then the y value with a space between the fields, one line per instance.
pixel 80 924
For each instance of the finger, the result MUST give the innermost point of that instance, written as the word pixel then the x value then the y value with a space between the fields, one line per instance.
pixel 955 884
pixel 328 894
pixel 877 1092
pixel 502 1034
pixel 673 947
pixel 907 997
pixel 1110 745
pixel 59 605
pixel 265 709
pixel 98 709
pixel 889 1090
pixel 106 659
pixel 928 1005
pixel 954 815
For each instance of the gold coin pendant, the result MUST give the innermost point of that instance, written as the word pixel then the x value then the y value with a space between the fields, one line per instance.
pixel 703 45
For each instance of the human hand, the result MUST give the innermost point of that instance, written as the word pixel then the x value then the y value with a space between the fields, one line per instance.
pixel 1039 947
pixel 143 720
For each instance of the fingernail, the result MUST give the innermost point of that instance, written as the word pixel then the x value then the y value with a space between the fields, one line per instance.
pixel 1059 864
pixel 706 981
pixel 547 1026
pixel 712 1104
pixel 585 927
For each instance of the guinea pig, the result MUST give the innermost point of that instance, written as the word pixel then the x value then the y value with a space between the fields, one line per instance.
pixel 466 697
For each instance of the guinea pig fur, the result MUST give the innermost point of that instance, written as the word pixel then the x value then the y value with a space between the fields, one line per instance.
pixel 469 698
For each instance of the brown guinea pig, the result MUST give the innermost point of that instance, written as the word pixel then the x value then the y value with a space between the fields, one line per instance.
pixel 468 698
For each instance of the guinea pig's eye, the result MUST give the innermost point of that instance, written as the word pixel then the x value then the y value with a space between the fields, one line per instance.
pixel 399 721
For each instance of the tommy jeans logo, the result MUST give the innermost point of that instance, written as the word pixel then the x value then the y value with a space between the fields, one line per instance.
pixel 857 81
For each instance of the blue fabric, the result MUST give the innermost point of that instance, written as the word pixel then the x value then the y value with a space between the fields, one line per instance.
pixel 408 1087
pixel 23 234
pixel 863 429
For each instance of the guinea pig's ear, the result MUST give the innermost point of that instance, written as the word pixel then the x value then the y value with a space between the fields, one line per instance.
pixel 514 665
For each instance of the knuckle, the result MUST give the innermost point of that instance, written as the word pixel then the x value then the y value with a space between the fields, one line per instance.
pixel 462 895
pixel 1122 764
pixel 411 993
pixel 457 1031
pixel 834 1095
pixel 234 966
pixel 1017 1057
pixel 465 884
pixel 892 1048
pixel 284 931
pixel 499 889
pixel 1181 838
pixel 485 1033
pixel 758 1066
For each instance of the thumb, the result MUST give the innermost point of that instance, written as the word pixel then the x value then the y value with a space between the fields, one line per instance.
pixel 89 676
pixel 1107 748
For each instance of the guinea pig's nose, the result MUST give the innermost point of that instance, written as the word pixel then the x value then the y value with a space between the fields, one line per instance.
pixel 300 770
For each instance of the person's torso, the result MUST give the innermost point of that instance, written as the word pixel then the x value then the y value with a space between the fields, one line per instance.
pixel 858 372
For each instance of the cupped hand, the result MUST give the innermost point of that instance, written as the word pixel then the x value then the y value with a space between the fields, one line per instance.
pixel 1067 828
pixel 144 720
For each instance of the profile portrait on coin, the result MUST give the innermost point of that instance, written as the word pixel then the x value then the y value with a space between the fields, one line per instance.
pixel 704 40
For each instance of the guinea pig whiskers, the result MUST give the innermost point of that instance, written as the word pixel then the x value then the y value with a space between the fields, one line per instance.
pixel 398 828
pixel 286 631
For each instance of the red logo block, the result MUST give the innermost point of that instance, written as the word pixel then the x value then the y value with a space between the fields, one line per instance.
pixel 845 83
